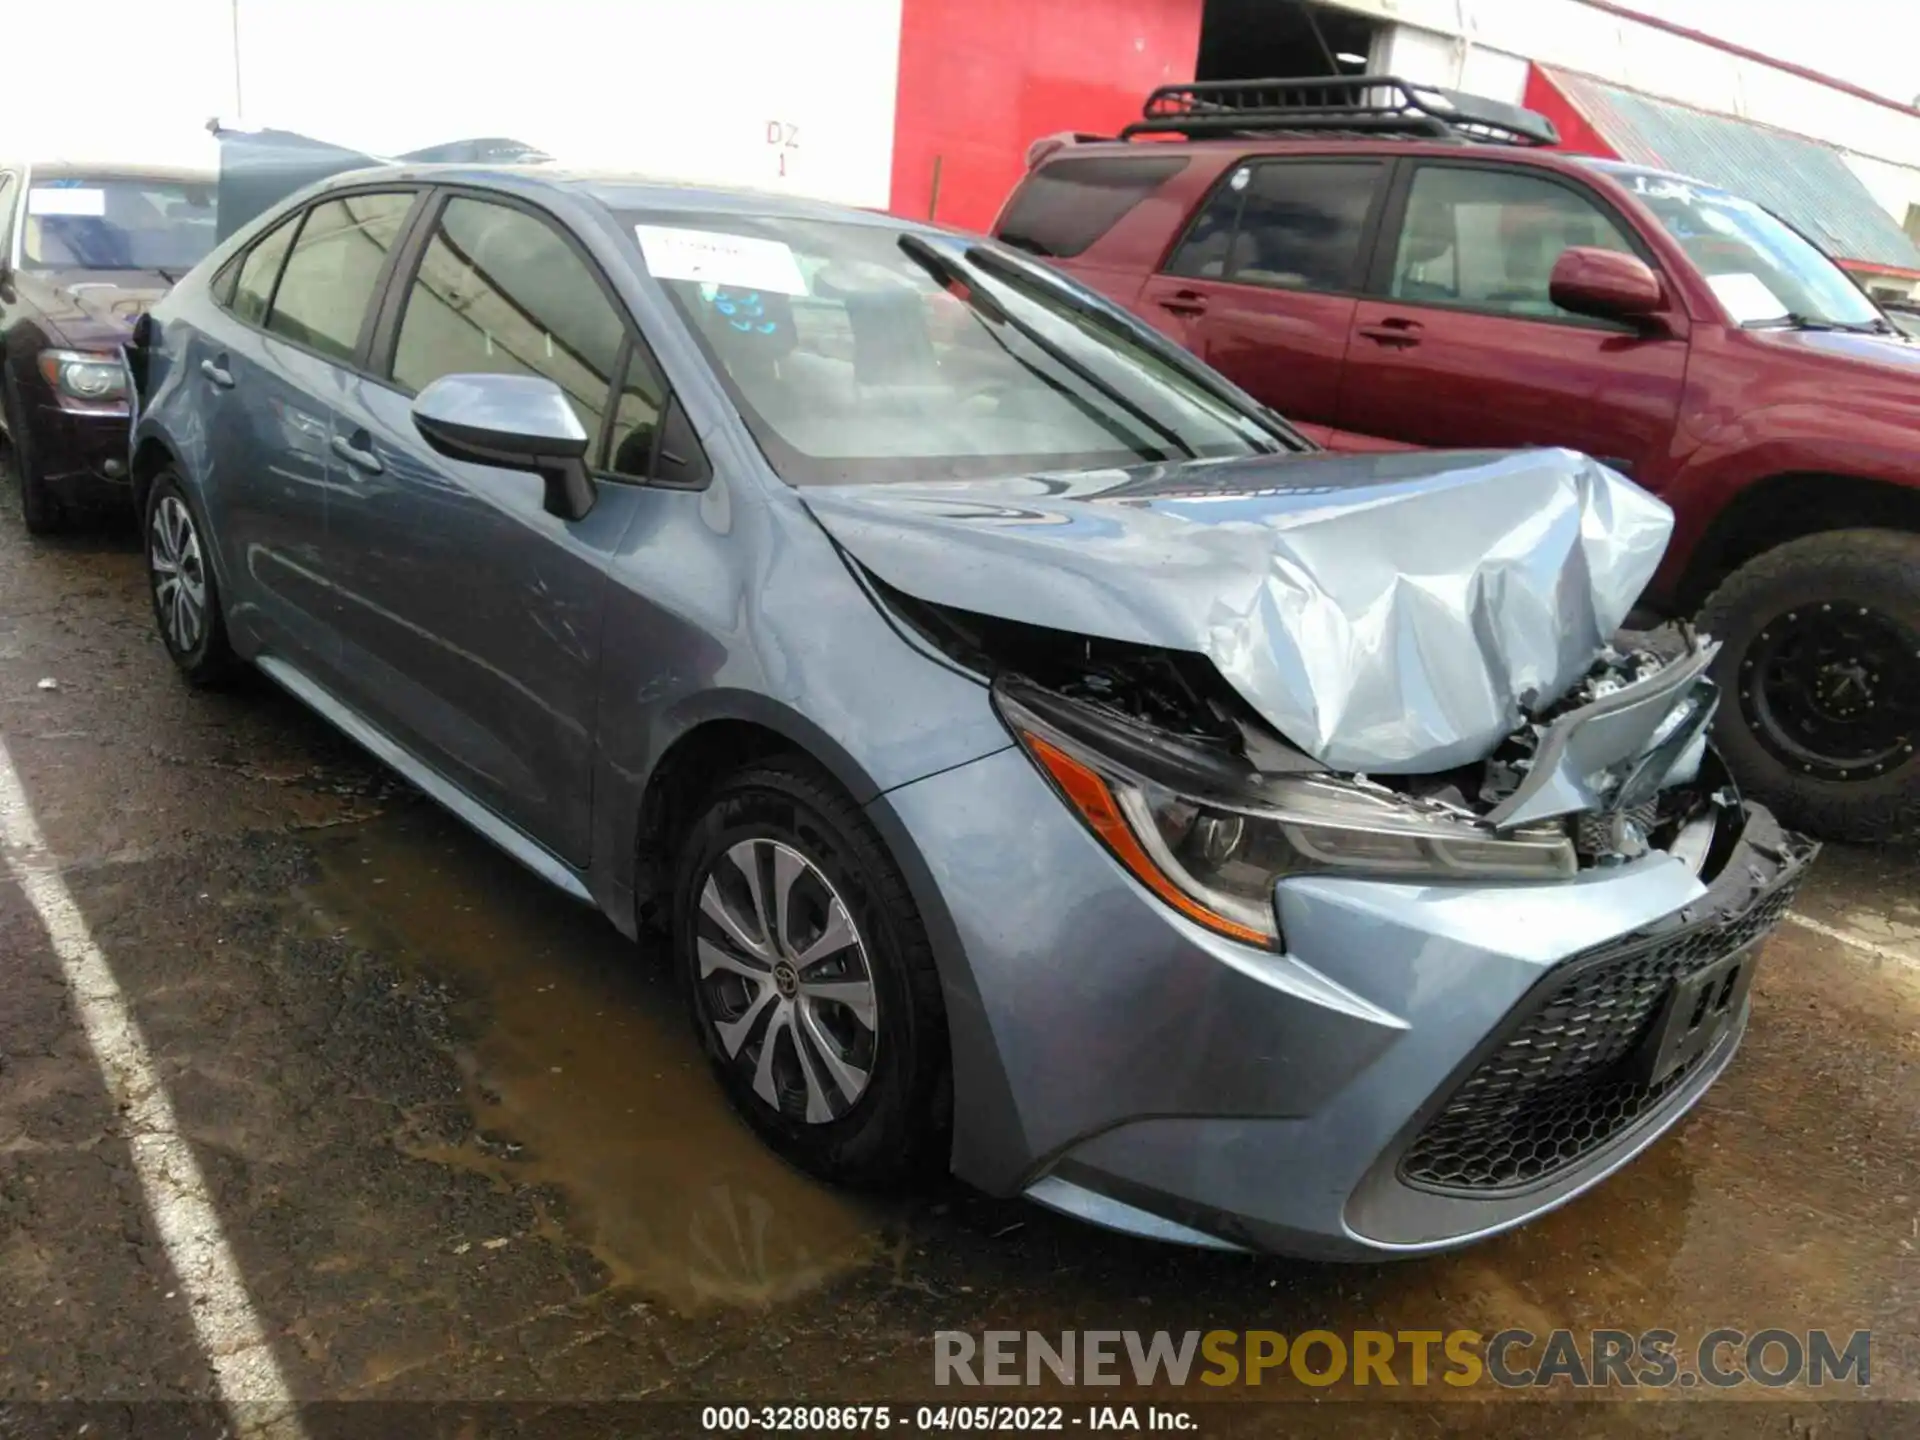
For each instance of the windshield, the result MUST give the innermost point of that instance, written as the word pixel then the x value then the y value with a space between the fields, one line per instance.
pixel 117 223
pixel 858 353
pixel 1764 271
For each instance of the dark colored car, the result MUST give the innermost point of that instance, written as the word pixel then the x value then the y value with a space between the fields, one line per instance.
pixel 1389 265
pixel 84 251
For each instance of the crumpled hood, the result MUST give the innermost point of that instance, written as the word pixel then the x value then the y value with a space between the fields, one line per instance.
pixel 1386 613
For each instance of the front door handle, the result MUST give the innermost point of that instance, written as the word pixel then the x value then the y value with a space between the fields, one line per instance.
pixel 1185 302
pixel 1394 330
pixel 357 451
pixel 218 374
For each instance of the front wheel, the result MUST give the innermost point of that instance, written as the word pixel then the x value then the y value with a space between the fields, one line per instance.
pixel 810 978
pixel 41 512
pixel 180 578
pixel 1820 680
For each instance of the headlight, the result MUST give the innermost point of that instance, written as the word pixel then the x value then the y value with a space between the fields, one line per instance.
pixel 1216 859
pixel 92 379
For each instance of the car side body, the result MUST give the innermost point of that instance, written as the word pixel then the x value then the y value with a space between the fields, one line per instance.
pixel 578 673
pixel 1759 436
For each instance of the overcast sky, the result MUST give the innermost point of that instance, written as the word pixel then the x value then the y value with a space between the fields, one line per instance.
pixel 1875 43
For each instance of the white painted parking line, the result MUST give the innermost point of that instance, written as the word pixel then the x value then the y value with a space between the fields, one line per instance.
pixel 1859 942
pixel 244 1367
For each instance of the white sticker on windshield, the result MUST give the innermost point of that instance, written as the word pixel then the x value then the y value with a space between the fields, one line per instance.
pixel 714 257
pixel 1746 297
pixel 66 200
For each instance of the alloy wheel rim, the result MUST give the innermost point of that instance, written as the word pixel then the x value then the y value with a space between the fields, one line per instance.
pixel 179 573
pixel 1832 690
pixel 786 981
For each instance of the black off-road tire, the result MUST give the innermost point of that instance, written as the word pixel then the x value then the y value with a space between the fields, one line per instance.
pixel 899 1130
pixel 1878 569
pixel 39 509
pixel 210 662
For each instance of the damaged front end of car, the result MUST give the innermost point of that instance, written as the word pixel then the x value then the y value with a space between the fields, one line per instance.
pixel 1210 807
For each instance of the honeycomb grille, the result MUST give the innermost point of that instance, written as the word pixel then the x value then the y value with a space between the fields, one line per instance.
pixel 1560 1084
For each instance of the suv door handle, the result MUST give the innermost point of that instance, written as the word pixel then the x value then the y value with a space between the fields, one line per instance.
pixel 1185 302
pixel 1394 330
pixel 357 452
pixel 218 374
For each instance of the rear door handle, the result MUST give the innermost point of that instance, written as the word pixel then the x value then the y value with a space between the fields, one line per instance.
pixel 219 375
pixel 1392 331
pixel 1185 302
pixel 357 452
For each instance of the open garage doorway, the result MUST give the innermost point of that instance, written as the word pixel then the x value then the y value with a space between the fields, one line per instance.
pixel 1260 39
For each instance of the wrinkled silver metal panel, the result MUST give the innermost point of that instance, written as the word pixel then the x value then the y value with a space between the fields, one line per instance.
pixel 1386 613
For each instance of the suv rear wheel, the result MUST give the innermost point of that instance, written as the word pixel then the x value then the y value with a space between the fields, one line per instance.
pixel 1820 674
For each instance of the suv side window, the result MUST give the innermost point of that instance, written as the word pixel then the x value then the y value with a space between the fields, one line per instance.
pixel 1062 208
pixel 330 276
pixel 259 270
pixel 1488 239
pixel 1288 224
pixel 501 292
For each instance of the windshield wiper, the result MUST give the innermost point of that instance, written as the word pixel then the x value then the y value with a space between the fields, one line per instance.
pixel 947 271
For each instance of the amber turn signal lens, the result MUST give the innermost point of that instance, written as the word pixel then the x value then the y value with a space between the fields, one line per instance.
pixel 1090 795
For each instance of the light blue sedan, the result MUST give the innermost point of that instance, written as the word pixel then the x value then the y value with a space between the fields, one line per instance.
pixel 1046 765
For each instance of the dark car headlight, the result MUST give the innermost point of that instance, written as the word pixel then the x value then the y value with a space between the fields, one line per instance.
pixel 85 379
pixel 1216 861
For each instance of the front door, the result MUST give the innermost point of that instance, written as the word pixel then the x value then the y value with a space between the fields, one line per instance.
pixel 470 617
pixel 1467 348
pixel 1264 284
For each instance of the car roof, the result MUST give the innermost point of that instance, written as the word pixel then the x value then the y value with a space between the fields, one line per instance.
pixel 627 191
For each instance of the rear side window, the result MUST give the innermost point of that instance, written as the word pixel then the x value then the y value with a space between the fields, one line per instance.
pixel 500 292
pixel 1064 207
pixel 261 267
pixel 329 279
pixel 1291 225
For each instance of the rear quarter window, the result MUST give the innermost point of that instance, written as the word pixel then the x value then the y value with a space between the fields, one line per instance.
pixel 1062 208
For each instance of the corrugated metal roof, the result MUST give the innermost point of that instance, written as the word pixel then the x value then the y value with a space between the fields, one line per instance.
pixel 1805 182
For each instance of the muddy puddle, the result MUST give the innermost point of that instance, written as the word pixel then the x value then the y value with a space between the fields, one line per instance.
pixel 582 1073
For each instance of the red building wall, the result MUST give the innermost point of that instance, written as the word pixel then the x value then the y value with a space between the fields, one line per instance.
pixel 980 80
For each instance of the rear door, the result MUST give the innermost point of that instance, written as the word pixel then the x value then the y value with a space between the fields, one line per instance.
pixel 1264 284
pixel 300 301
pixel 1465 347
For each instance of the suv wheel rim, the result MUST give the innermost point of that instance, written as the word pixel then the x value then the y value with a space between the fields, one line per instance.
pixel 179 573
pixel 785 980
pixel 1832 690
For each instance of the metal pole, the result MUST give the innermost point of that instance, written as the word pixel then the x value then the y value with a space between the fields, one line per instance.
pixel 239 106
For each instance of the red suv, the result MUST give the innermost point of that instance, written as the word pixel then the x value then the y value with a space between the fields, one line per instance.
pixel 1391 265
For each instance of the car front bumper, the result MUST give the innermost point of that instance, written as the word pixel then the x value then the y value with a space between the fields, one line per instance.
pixel 1366 1093
pixel 81 458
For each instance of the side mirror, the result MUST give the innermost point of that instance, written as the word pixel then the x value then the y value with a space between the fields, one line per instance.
pixel 518 422
pixel 1606 284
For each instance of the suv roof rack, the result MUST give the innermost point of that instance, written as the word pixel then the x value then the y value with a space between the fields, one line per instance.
pixel 1355 105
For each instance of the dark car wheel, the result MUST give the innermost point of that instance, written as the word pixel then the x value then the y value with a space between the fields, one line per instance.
pixel 38 508
pixel 1821 681
pixel 186 596
pixel 810 978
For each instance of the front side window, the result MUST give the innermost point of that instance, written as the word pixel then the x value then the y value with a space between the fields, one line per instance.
pixel 330 278
pixel 1292 225
pixel 1062 208
pixel 858 353
pixel 78 221
pixel 500 292
pixel 1763 271
pixel 1488 239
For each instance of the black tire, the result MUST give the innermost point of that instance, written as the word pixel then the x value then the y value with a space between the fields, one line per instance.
pixel 898 1128
pixel 205 657
pixel 1870 574
pixel 39 509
